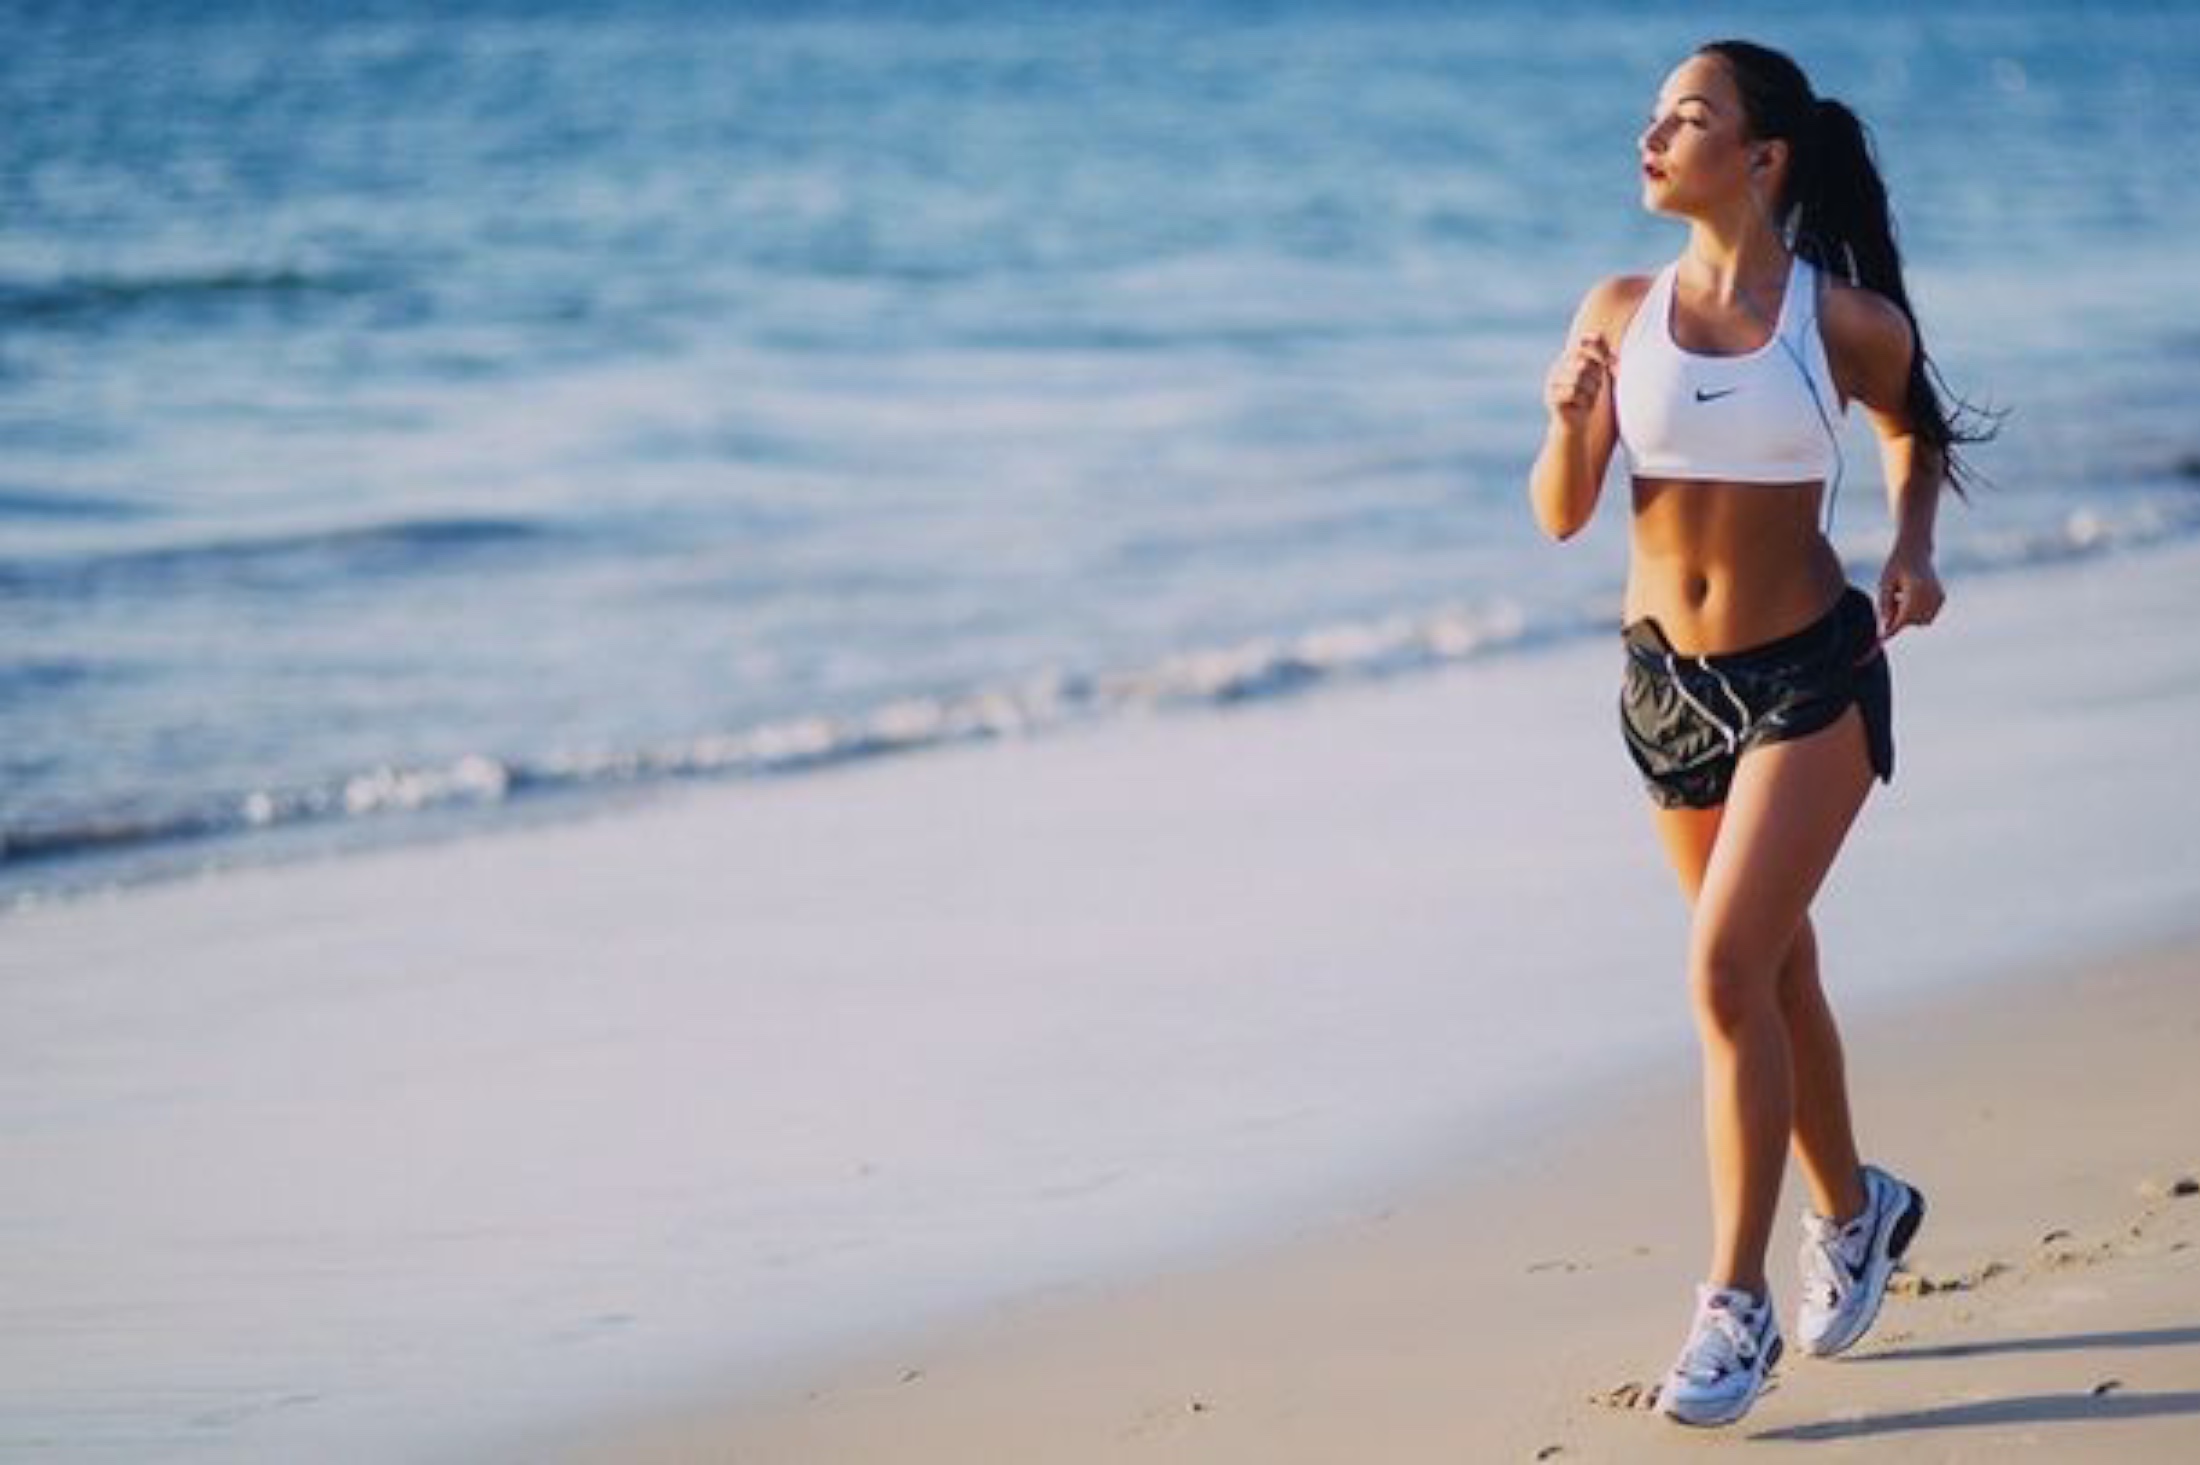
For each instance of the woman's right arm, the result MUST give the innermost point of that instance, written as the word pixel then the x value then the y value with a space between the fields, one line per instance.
pixel 1583 427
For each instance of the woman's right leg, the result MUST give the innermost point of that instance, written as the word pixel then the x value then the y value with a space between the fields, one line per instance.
pixel 1823 1135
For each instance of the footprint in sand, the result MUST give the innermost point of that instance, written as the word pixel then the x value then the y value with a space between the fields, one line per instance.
pixel 2058 1250
pixel 1629 1395
pixel 1919 1284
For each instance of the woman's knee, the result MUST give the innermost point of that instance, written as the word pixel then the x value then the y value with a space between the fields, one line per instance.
pixel 1733 985
pixel 1734 971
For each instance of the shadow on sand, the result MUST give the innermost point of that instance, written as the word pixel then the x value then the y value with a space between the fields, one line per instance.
pixel 2024 1409
pixel 2065 1342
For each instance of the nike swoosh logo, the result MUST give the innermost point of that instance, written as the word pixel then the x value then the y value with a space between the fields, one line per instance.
pixel 1704 396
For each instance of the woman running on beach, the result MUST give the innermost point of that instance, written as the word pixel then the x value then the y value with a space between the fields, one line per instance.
pixel 1756 700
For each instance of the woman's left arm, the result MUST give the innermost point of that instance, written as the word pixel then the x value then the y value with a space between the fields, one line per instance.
pixel 1870 342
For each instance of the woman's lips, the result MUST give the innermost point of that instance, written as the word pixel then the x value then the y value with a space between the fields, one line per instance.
pixel 1652 170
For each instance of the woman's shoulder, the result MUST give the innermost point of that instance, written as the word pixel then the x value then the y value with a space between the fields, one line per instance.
pixel 1869 341
pixel 1859 318
pixel 1618 292
pixel 1608 306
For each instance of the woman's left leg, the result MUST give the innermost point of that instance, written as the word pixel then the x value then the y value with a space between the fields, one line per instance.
pixel 1789 809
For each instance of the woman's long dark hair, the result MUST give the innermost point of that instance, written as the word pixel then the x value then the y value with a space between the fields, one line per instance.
pixel 1842 223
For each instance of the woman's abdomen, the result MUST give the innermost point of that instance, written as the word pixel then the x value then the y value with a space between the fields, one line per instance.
pixel 1726 566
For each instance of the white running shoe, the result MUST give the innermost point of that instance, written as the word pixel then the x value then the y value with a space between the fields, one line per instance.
pixel 1846 1267
pixel 1732 1344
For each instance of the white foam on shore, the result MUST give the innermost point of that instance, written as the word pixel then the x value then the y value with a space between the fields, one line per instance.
pixel 410 1152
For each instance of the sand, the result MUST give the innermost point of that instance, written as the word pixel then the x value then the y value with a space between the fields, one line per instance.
pixel 2014 943
pixel 975 1092
pixel 2051 1304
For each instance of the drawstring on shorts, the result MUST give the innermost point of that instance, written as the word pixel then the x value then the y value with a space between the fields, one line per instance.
pixel 1733 735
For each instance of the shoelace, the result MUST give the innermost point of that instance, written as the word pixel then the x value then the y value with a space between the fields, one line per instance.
pixel 1720 1342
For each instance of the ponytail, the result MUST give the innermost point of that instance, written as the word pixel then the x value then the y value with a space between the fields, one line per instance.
pixel 1834 205
pixel 1839 205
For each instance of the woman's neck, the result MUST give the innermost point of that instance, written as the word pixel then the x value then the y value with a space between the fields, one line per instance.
pixel 1733 258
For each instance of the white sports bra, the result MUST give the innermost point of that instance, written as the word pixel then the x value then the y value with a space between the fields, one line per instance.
pixel 1766 416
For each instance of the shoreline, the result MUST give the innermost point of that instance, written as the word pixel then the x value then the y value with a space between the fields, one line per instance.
pixel 479 794
pixel 1518 1307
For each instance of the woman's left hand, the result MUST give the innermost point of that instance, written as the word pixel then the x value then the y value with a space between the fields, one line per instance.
pixel 1909 591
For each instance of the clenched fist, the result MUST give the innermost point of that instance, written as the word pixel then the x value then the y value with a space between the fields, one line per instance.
pixel 1577 380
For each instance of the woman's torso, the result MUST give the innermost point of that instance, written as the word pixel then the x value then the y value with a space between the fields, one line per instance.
pixel 1724 566
pixel 1727 562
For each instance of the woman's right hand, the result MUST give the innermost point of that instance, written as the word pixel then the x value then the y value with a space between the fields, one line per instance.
pixel 1577 380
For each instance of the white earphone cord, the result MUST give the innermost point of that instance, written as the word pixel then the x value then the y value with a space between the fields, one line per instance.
pixel 1788 233
pixel 1833 439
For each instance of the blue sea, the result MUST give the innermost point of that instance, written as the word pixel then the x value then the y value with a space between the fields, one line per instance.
pixel 414 413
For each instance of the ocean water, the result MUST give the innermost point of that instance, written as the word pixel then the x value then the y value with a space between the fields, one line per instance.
pixel 460 407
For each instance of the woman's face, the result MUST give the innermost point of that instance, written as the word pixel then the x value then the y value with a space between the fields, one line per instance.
pixel 1696 158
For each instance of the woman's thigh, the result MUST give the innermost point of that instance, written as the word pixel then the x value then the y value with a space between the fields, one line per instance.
pixel 1688 835
pixel 1791 806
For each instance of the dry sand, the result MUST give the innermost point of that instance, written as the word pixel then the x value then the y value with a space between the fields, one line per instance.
pixel 2051 1304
